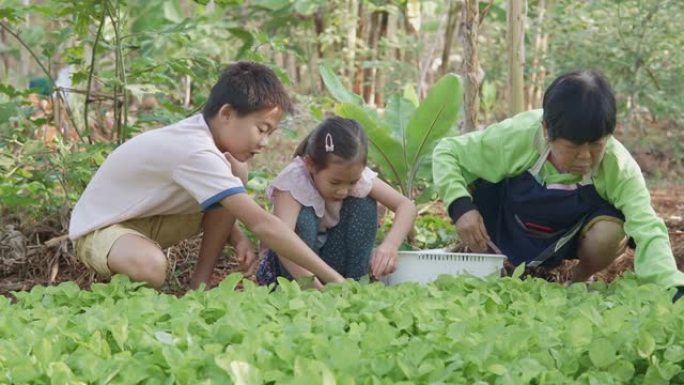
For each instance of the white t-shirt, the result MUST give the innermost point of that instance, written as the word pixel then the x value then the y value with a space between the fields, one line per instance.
pixel 175 169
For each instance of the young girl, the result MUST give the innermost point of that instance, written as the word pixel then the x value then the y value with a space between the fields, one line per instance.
pixel 328 196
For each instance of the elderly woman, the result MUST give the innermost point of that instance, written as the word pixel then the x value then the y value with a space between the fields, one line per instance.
pixel 554 184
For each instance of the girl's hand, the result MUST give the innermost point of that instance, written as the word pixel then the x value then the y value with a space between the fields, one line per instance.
pixel 246 257
pixel 316 284
pixel 384 260
pixel 471 230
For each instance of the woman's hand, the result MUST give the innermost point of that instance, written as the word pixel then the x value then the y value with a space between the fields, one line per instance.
pixel 471 230
pixel 384 260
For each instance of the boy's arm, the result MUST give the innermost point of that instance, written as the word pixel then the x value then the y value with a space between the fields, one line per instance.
pixel 278 236
pixel 384 259
pixel 287 209
pixel 243 247
pixel 219 227
pixel 216 224
pixel 243 250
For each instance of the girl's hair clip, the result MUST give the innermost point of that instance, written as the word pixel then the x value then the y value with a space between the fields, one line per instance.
pixel 329 145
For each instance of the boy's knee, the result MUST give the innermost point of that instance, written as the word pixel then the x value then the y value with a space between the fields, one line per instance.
pixel 155 270
pixel 150 268
pixel 139 259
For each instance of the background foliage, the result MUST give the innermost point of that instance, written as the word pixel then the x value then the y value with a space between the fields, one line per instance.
pixel 137 65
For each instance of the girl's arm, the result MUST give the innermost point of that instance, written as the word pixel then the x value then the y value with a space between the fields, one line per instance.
pixel 384 260
pixel 287 209
pixel 278 236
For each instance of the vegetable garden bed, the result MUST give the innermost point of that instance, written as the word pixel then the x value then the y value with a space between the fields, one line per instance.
pixel 457 330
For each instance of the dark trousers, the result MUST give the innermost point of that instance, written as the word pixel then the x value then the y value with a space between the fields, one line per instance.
pixel 347 247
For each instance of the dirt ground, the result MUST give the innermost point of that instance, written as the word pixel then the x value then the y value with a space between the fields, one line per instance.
pixel 669 204
pixel 43 258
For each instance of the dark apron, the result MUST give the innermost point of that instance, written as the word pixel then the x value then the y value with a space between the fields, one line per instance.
pixel 536 223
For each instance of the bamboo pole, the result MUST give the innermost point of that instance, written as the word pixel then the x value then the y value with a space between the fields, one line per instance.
pixel 516 55
pixel 472 65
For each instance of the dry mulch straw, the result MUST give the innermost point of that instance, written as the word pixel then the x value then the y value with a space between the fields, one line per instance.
pixel 44 256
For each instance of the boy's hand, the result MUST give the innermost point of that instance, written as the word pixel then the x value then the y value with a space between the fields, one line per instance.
pixel 471 230
pixel 384 260
pixel 246 257
pixel 239 169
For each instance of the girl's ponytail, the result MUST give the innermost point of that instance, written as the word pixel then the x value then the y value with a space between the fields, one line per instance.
pixel 303 146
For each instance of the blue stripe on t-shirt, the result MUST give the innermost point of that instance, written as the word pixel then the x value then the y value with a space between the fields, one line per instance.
pixel 215 201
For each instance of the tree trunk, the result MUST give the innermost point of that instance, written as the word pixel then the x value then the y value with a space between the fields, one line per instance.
pixel 394 26
pixel 380 75
pixel 5 55
pixel 360 35
pixel 471 65
pixel 536 82
pixel 277 58
pixel 412 25
pixel 370 71
pixel 351 32
pixel 24 56
pixel 314 60
pixel 452 24
pixel 541 79
pixel 290 65
pixel 516 55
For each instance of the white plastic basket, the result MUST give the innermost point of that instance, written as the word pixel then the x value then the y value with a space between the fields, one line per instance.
pixel 426 265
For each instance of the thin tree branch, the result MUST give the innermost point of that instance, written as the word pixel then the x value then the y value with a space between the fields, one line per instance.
pixel 121 74
pixel 92 69
pixel 53 84
pixel 485 11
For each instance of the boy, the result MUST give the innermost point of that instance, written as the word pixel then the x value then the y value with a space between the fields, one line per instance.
pixel 168 184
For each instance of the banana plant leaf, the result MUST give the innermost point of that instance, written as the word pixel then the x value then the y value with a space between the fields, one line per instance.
pixel 432 120
pixel 384 150
pixel 402 139
pixel 337 90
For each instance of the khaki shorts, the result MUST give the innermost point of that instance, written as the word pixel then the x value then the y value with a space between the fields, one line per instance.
pixel 165 230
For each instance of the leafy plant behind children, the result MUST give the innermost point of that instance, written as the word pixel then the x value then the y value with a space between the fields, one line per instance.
pixel 402 139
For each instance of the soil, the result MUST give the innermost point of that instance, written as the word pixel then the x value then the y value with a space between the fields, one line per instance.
pixel 26 261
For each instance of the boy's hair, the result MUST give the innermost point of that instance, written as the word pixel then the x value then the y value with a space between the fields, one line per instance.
pixel 343 138
pixel 580 107
pixel 247 87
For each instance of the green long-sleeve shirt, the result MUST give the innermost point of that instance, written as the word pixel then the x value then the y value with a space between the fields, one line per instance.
pixel 512 146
